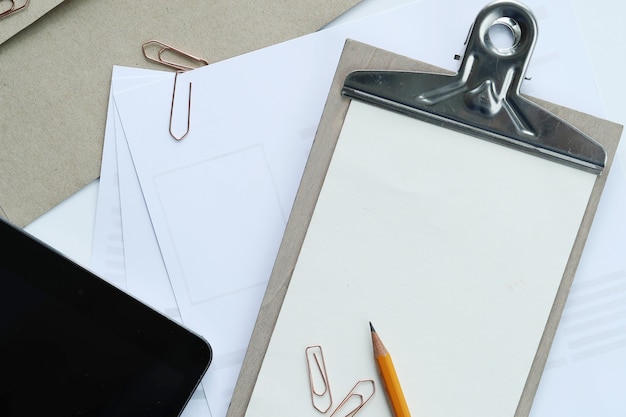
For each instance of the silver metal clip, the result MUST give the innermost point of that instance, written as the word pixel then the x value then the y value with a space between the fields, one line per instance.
pixel 483 99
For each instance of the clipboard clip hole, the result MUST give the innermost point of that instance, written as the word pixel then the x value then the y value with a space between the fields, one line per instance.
pixel 503 36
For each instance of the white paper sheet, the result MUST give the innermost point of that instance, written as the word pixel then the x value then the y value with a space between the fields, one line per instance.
pixel 145 272
pixel 238 103
pixel 108 241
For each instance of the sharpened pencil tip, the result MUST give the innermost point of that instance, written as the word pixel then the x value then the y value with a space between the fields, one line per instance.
pixel 372 327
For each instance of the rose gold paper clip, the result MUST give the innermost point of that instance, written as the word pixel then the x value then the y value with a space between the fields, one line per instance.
pixel 356 399
pixel 188 61
pixel 13 9
pixel 321 397
pixel 172 109
pixel 159 57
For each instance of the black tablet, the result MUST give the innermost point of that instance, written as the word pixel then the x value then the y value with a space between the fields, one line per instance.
pixel 73 345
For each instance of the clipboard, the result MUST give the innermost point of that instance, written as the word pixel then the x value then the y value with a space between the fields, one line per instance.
pixel 273 380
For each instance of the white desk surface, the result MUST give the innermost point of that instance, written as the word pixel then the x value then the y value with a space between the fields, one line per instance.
pixel 69 226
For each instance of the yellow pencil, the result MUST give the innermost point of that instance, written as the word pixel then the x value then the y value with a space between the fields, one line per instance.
pixel 389 377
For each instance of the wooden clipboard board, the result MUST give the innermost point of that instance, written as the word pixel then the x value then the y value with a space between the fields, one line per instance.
pixel 357 56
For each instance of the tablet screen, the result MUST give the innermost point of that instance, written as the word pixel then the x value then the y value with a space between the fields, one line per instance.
pixel 72 344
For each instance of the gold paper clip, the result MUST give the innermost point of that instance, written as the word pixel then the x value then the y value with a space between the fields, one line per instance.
pixel 356 399
pixel 189 61
pixel 13 9
pixel 321 397
pixel 159 58
pixel 172 109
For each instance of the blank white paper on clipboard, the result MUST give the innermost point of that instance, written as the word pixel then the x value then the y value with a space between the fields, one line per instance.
pixel 412 232
pixel 456 246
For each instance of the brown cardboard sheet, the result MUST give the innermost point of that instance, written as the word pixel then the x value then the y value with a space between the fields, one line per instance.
pixel 14 22
pixel 56 76
pixel 357 56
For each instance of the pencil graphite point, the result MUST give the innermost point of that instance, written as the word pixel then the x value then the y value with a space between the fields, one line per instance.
pixel 377 344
